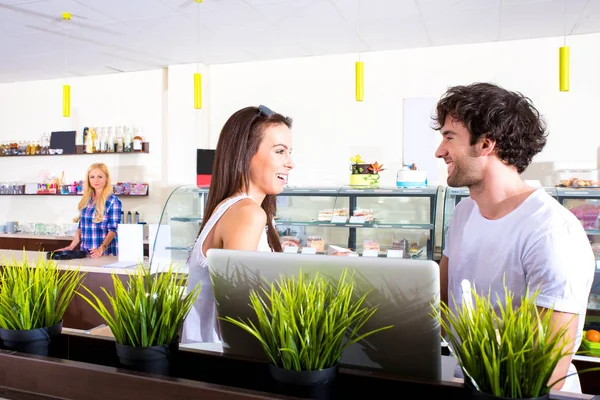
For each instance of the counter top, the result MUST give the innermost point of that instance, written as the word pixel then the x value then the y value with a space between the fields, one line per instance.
pixel 98 265
pixel 85 264
pixel 42 237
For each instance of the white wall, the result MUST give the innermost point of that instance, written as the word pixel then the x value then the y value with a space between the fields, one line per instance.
pixel 30 108
pixel 317 92
pixel 330 126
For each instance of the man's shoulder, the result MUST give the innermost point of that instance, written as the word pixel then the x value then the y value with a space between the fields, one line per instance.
pixel 547 212
pixel 464 208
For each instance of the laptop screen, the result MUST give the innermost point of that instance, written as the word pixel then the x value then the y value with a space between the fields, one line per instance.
pixel 403 290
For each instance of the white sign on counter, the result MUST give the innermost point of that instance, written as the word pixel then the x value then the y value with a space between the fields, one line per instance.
pixel 395 253
pixel 131 242
pixel 290 249
pixel 370 253
pixel 309 250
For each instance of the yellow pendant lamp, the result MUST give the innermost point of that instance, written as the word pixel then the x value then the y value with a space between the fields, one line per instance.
pixel 198 75
pixel 564 60
pixel 564 67
pixel 66 94
pixel 197 91
pixel 360 82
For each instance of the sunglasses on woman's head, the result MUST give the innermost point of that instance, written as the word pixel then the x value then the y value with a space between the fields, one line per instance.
pixel 264 110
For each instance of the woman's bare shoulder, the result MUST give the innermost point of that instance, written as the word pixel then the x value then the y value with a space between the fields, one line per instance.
pixel 247 211
pixel 242 225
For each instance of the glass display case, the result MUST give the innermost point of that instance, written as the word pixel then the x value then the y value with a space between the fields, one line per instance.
pixel 376 222
pixel 179 225
pixel 583 202
pixel 394 222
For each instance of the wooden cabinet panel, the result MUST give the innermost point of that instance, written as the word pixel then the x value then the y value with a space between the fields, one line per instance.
pixel 32 244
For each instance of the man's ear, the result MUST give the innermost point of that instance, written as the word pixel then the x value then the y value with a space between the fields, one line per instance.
pixel 487 146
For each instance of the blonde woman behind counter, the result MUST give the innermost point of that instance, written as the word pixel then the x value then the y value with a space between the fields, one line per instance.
pixel 99 214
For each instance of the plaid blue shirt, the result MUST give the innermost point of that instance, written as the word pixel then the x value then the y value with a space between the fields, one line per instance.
pixel 92 233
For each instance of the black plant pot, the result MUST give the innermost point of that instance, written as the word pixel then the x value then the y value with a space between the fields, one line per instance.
pixel 303 378
pixel 154 360
pixel 308 384
pixel 32 341
pixel 477 395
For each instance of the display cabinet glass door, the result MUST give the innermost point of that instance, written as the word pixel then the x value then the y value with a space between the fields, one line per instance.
pixel 585 205
pixel 394 219
pixel 305 217
pixel 180 222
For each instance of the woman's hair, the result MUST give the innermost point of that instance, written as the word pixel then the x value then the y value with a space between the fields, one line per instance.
pixel 238 142
pixel 89 192
pixel 508 118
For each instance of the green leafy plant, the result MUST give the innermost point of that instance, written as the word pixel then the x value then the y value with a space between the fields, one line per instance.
pixel 505 349
pixel 149 311
pixel 305 323
pixel 35 295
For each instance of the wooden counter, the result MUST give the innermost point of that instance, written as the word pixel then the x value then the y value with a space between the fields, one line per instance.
pixel 86 367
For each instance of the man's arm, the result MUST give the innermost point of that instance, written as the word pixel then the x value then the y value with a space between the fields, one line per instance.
pixel 570 321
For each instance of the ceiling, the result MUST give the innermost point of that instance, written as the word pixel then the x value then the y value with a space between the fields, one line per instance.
pixel 107 36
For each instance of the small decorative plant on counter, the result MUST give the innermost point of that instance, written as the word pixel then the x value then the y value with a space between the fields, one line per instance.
pixel 145 317
pixel 305 324
pixel 507 352
pixel 33 299
pixel 364 174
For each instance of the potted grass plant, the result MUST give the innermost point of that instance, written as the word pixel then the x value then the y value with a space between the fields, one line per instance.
pixel 505 350
pixel 33 299
pixel 305 323
pixel 146 316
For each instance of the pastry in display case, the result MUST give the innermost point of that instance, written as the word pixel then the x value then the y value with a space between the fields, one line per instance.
pixel 360 219
pixel 578 178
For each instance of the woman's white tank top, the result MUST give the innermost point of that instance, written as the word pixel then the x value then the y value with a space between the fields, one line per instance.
pixel 201 323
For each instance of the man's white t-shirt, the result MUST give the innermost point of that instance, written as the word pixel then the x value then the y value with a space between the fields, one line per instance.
pixel 540 244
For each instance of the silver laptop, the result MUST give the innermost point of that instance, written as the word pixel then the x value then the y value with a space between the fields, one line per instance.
pixel 404 291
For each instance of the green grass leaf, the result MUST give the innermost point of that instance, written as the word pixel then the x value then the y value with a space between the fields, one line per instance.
pixel 304 322
pixel 149 311
pixel 35 295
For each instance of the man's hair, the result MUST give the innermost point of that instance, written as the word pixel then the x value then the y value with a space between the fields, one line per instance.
pixel 506 117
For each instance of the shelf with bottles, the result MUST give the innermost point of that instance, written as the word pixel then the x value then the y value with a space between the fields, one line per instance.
pixel 79 150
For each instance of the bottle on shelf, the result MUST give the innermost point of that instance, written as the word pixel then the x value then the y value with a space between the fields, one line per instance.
pixel 111 140
pixel 89 144
pixel 127 140
pixel 95 140
pixel 86 132
pixel 120 146
pixel 137 140
pixel 103 141
pixel 45 143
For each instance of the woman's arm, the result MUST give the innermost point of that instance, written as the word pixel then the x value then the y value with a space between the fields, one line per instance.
pixel 74 242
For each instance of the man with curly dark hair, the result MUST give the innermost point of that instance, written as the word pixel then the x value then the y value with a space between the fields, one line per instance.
pixel 507 232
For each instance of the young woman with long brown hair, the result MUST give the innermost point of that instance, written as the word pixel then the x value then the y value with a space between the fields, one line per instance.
pixel 251 166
